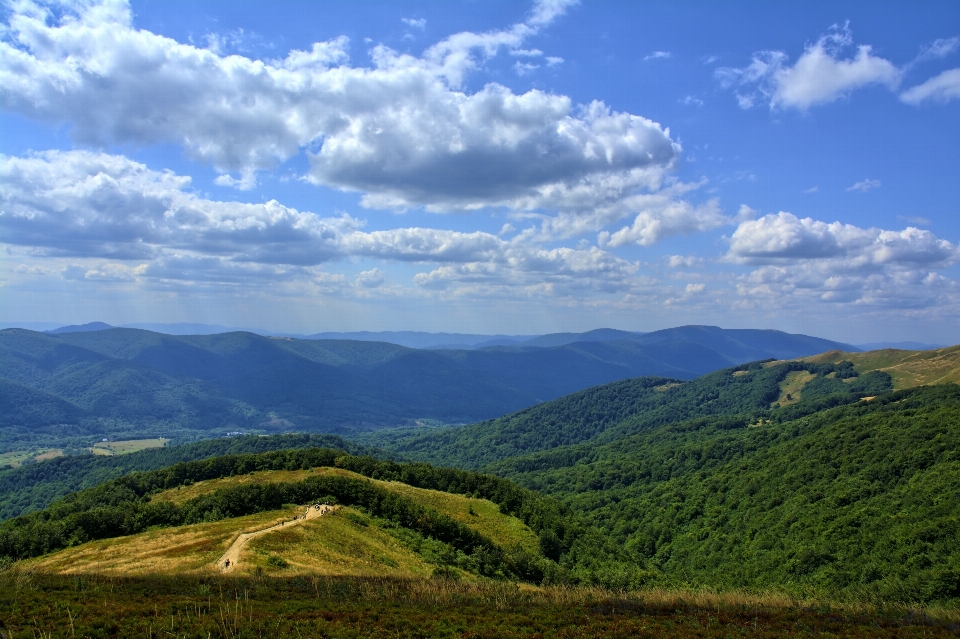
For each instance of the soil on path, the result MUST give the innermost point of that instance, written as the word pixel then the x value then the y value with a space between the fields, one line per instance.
pixel 229 560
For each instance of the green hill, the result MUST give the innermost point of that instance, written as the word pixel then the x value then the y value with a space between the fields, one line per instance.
pixel 623 408
pixel 849 488
pixel 183 517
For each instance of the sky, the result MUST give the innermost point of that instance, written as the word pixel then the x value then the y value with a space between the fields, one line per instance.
pixel 483 167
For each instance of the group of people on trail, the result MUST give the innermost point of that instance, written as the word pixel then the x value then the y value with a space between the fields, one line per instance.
pixel 318 506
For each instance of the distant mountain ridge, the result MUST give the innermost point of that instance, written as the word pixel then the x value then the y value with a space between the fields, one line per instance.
pixel 131 383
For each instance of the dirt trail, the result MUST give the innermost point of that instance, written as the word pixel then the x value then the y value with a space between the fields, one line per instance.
pixel 233 552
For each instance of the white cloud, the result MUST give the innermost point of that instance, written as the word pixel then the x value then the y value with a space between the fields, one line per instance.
pixel 660 220
pixel 553 61
pixel 812 189
pixel 658 55
pixel 938 49
pixel 865 185
pixel 691 101
pixel 940 88
pixel 523 68
pixel 401 132
pixel 819 76
pixel 370 279
pixel 805 261
pixel 417 23
pixel 97 206
pixel 546 11
pixel 560 270
pixel 786 237
pixel 526 53
pixel 685 261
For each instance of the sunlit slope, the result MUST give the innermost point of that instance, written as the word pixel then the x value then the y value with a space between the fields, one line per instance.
pixel 479 514
pixel 345 543
pixel 907 368
pixel 191 517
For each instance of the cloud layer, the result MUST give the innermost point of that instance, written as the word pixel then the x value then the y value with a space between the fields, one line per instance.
pixel 402 132
pixel 94 205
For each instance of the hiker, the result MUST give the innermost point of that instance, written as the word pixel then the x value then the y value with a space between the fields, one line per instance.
pixel 226 564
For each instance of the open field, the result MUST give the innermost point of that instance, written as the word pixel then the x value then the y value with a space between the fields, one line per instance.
pixel 792 387
pixel 128 446
pixel 907 368
pixel 480 514
pixel 18 457
pixel 36 604
pixel 346 543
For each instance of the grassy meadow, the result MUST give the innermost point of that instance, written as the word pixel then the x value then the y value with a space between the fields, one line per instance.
pixel 35 604
pixel 907 368
pixel 346 542
pixel 127 446
pixel 479 514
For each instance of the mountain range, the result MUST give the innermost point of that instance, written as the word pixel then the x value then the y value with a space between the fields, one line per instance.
pixel 123 382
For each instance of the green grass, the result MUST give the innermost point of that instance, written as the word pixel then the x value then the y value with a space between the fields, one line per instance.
pixel 129 446
pixel 17 458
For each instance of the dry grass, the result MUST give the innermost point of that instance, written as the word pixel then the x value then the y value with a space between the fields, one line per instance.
pixel 336 544
pixel 33 603
pixel 480 514
pixel 332 545
pixel 792 387
pixel 907 368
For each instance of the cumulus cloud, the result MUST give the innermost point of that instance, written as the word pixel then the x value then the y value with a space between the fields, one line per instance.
pixel 941 88
pixel 865 185
pixel 805 260
pixel 417 23
pixel 664 218
pixel 99 206
pixel 370 279
pixel 820 75
pixel 401 132
pixel 784 236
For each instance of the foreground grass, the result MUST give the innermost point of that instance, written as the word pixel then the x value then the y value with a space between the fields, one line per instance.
pixel 37 604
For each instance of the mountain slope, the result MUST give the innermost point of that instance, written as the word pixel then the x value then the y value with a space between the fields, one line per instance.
pixel 132 383
pixel 863 498
pixel 619 409
pixel 907 368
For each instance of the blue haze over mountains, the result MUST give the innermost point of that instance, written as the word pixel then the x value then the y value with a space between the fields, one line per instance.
pixel 125 382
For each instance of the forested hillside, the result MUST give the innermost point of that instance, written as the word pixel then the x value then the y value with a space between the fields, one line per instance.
pixel 861 497
pixel 68 388
pixel 623 408
pixel 36 486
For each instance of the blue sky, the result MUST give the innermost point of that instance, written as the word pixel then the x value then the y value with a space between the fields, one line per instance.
pixel 490 167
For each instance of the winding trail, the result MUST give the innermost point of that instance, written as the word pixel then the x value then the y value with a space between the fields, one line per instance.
pixel 233 552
